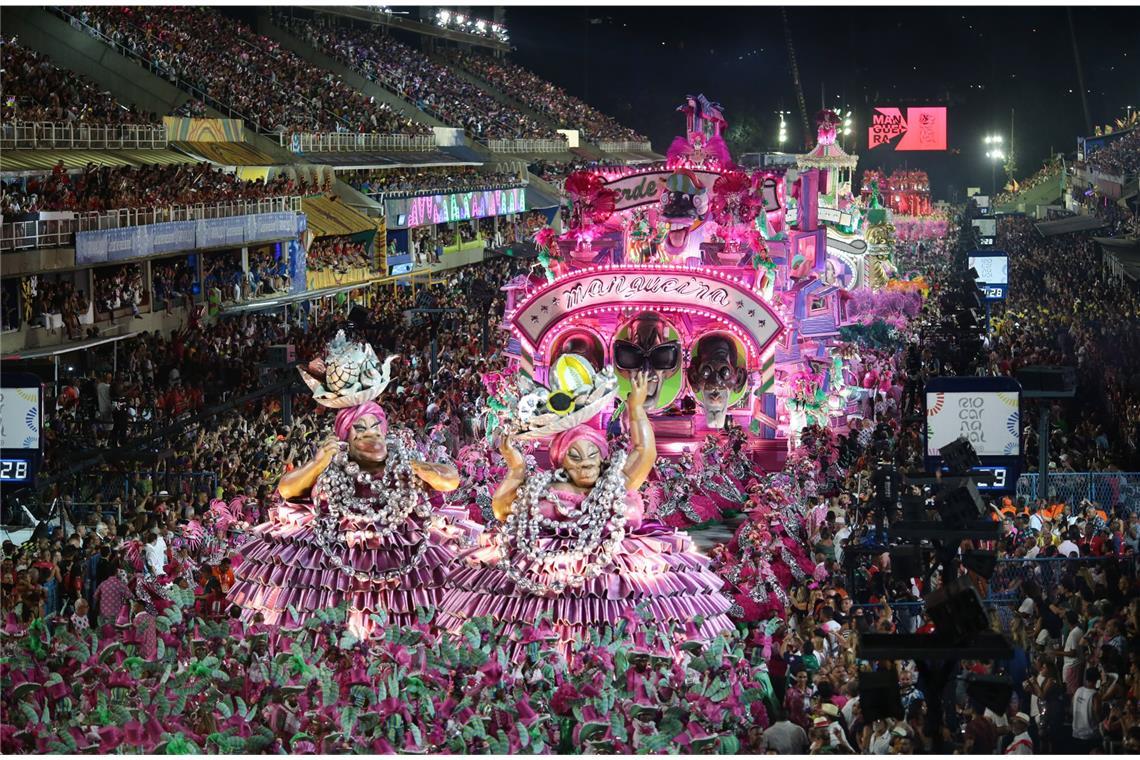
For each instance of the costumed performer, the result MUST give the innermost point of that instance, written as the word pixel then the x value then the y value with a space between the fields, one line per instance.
pixel 574 544
pixel 366 534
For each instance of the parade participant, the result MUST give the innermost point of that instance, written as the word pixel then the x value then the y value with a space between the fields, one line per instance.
pixel 575 551
pixel 365 536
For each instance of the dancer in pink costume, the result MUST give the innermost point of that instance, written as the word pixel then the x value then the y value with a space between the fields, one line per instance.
pixel 366 534
pixel 575 547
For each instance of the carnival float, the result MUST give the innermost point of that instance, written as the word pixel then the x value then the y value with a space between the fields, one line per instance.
pixel 728 286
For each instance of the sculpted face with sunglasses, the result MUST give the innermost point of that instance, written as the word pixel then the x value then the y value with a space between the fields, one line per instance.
pixel 648 352
pixel 714 375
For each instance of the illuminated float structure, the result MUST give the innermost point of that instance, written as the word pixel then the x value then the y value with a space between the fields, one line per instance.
pixel 689 269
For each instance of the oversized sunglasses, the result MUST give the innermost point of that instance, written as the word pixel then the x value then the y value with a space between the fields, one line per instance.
pixel 724 374
pixel 663 357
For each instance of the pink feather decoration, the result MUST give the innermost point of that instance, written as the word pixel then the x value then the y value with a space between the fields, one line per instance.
pixel 680 148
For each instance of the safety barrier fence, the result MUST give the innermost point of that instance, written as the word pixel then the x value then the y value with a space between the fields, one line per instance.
pixel 624 146
pixel 527 146
pixel 342 142
pixel 37 233
pixel 48 135
pixel 135 217
pixel 1106 488
pixel 57 232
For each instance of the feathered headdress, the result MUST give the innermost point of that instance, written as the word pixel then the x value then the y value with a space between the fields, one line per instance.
pixel 349 375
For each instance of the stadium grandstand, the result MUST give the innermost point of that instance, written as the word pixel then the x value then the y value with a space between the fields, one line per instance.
pixel 196 202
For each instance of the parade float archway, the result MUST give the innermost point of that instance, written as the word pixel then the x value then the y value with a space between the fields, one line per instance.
pixel 697 269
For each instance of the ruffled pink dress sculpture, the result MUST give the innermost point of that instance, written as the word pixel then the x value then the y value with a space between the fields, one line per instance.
pixel 575 548
pixel 357 525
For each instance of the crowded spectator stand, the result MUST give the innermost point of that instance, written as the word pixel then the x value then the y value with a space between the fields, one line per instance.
pixel 163 624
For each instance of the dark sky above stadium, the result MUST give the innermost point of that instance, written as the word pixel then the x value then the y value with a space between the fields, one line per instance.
pixel 638 64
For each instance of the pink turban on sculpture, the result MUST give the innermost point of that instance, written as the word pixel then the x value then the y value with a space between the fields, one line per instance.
pixel 562 442
pixel 345 417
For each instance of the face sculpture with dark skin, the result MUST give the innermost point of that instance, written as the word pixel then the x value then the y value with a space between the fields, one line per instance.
pixel 714 376
pixel 655 355
pixel 366 443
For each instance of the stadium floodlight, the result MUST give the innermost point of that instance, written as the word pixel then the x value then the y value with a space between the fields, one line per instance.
pixel 995 154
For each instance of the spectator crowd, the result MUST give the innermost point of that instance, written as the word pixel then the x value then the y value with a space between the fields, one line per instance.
pixel 35 89
pixel 105 188
pixel 431 86
pixel 1064 589
pixel 224 60
pixel 429 180
pixel 544 97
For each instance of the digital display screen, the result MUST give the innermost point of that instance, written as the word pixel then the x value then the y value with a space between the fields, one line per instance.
pixel 989 420
pixel 20 418
pixel 920 128
pixel 1002 479
pixel 437 209
pixel 993 273
pixel 15 470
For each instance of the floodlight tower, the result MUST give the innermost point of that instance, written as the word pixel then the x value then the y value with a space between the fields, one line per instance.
pixel 995 153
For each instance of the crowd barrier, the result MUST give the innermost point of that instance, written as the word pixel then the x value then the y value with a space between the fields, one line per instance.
pixel 57 229
pixel 1105 488
pixel 341 142
pixel 527 146
pixel 137 217
pixel 624 146
pixel 47 135
pixel 38 233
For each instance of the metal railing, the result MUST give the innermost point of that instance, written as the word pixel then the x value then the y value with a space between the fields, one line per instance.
pixel 390 195
pixel 48 135
pixel 527 146
pixel 57 233
pixel 37 233
pixel 1106 488
pixel 338 142
pixel 624 146
pixel 135 217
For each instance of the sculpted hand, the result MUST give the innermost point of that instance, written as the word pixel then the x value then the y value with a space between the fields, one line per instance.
pixel 638 390
pixel 510 452
pixel 328 450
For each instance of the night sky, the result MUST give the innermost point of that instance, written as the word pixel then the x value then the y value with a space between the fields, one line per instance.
pixel 637 64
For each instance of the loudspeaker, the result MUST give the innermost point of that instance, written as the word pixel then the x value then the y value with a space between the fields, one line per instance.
pixel 957 612
pixel 879 695
pixel 993 692
pixel 981 562
pixel 906 562
pixel 959 456
pixel 960 506
pixel 1048 382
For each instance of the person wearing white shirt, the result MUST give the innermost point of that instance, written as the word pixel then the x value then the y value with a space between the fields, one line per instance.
pixel 1085 704
pixel 156 554
pixel 1071 664
pixel 1021 744
pixel 1068 549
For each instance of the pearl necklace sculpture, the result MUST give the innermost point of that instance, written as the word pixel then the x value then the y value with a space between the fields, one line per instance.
pixel 395 496
pixel 601 512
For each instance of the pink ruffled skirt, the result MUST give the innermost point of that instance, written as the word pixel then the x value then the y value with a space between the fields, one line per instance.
pixel 283 566
pixel 656 569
